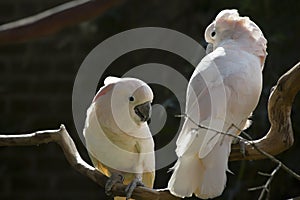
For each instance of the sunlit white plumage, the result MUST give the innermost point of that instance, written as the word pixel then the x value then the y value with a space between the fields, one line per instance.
pixel 222 92
pixel 117 136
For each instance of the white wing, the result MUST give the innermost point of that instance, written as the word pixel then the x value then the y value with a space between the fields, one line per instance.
pixel 215 94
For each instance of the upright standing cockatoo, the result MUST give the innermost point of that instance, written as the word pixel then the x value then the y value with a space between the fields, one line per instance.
pixel 222 92
pixel 117 135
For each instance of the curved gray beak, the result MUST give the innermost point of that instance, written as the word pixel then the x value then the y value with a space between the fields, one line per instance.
pixel 143 111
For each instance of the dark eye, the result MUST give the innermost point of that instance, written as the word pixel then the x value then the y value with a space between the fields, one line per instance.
pixel 131 98
pixel 213 34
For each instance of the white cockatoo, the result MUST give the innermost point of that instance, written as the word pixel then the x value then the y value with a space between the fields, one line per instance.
pixel 222 93
pixel 117 135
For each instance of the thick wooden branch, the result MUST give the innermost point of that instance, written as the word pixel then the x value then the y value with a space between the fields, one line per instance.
pixel 280 136
pixel 53 20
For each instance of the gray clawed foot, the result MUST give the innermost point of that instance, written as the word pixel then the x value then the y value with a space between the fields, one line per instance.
pixel 131 186
pixel 242 148
pixel 115 178
pixel 242 145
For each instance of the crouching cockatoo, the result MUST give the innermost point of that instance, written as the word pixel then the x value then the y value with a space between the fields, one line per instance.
pixel 117 135
pixel 222 92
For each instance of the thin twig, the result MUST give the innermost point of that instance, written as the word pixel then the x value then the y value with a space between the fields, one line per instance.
pixel 246 141
pixel 266 187
pixel 271 157
pixel 264 174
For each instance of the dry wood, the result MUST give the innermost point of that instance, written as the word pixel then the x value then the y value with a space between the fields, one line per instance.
pixel 280 137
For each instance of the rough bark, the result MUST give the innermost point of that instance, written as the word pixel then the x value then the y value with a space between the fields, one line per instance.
pixel 280 136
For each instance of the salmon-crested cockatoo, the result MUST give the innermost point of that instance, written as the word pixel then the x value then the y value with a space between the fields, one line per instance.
pixel 117 135
pixel 222 93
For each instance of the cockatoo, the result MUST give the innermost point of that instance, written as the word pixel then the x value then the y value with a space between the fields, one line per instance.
pixel 117 135
pixel 222 93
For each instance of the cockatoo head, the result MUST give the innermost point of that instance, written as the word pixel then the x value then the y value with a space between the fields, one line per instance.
pixel 228 25
pixel 129 101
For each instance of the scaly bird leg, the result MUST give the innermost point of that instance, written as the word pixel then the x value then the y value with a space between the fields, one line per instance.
pixel 137 181
pixel 113 179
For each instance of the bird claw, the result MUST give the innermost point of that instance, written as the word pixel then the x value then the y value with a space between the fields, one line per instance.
pixel 242 148
pixel 113 179
pixel 131 186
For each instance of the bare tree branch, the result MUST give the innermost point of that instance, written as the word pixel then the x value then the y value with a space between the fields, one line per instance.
pixel 280 136
pixel 266 187
pixel 53 20
pixel 62 137
pixel 278 139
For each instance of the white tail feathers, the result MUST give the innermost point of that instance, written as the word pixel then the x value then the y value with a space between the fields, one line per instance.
pixel 214 176
pixel 186 176
pixel 206 178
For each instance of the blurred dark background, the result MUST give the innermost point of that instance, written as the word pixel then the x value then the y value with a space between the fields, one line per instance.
pixel 36 80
